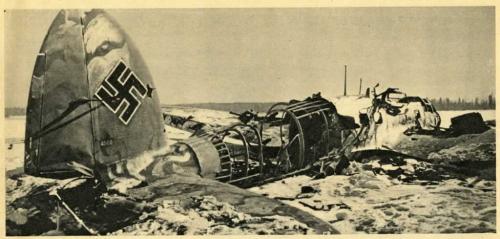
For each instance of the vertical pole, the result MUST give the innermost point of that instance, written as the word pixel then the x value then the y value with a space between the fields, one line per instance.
pixel 345 80
pixel 360 84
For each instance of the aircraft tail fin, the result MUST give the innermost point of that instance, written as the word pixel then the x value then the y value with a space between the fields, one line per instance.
pixel 92 105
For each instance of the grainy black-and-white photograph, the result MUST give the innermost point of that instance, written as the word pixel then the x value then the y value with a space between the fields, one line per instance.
pixel 250 121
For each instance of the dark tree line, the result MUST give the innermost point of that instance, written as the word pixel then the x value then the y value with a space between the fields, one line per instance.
pixel 462 104
pixel 13 111
pixel 440 104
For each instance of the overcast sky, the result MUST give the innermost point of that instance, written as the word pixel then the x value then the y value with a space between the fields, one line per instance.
pixel 255 55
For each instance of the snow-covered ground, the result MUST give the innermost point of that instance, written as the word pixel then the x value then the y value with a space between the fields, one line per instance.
pixel 14 136
pixel 212 117
pixel 362 202
pixel 15 126
pixel 369 203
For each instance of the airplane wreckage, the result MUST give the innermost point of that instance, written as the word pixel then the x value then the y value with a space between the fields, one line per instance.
pixel 300 136
pixel 93 115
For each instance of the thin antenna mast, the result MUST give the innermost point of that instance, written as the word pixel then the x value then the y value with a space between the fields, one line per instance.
pixel 345 80
pixel 360 85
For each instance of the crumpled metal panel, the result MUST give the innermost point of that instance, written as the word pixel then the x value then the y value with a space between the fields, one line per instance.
pixel 206 155
pixel 66 121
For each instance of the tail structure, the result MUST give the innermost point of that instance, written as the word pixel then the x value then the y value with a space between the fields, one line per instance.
pixel 92 102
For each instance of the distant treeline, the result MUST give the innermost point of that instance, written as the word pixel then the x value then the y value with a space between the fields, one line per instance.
pixel 234 107
pixel 13 111
pixel 440 104
pixel 461 104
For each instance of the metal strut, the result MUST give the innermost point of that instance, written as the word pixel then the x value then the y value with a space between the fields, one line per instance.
pixel 236 172
pixel 300 133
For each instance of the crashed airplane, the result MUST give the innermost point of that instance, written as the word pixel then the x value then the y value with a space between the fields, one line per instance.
pixel 93 115
pixel 304 136
pixel 312 137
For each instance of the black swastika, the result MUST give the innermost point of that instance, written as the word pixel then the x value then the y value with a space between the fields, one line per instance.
pixel 122 92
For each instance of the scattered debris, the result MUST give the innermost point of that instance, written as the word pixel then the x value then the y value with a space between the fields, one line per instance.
pixel 309 189
pixel 205 215
pixel 319 205
pixel 490 123
pixel 445 182
pixel 471 123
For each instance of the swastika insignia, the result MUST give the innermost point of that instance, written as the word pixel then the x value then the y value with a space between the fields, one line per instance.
pixel 122 92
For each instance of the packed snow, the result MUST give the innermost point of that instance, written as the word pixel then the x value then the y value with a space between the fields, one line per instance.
pixel 375 196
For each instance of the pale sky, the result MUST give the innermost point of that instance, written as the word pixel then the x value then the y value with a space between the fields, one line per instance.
pixel 256 55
